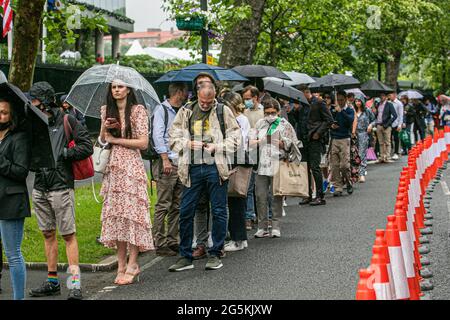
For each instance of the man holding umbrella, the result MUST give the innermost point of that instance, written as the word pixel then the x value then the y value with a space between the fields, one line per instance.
pixel 53 193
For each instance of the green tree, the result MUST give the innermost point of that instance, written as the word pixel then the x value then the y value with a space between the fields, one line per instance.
pixel 65 26
pixel 388 31
pixel 309 36
pixel 430 48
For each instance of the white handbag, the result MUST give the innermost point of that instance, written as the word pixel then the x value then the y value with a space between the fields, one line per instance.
pixel 101 157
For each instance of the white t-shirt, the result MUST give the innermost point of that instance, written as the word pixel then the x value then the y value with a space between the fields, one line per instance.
pixel 244 124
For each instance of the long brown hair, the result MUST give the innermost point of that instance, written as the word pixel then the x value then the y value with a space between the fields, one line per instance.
pixel 112 111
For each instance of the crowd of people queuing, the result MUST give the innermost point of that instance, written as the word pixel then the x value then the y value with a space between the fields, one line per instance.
pixel 200 142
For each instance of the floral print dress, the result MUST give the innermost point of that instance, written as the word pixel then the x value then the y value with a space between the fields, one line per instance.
pixel 364 119
pixel 125 213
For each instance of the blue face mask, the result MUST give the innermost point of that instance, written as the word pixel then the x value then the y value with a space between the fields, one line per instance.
pixel 248 103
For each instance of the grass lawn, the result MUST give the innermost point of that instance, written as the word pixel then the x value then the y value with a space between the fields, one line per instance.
pixel 88 224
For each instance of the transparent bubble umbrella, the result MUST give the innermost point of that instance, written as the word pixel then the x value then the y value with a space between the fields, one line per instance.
pixel 411 94
pixel 89 92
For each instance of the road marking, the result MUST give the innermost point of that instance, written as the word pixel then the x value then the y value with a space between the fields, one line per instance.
pixel 111 288
pixel 445 188
pixel 151 263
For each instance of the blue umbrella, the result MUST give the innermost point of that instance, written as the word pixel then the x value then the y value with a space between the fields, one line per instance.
pixel 188 74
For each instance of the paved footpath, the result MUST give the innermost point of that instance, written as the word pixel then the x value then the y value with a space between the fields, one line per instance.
pixel 318 255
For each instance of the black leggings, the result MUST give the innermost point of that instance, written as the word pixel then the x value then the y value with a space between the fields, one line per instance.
pixel 396 140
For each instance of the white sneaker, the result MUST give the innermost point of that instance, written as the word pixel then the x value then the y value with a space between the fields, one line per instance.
pixel 283 213
pixel 261 233
pixel 234 246
pixel 245 243
pixel 276 233
pixel 395 156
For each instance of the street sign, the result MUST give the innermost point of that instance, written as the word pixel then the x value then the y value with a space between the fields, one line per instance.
pixel 210 59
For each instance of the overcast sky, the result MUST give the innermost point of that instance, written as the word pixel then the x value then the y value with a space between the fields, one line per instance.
pixel 148 14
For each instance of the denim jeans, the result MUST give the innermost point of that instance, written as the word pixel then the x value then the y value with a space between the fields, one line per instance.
pixel 11 232
pixel 250 212
pixel 204 178
pixel 202 221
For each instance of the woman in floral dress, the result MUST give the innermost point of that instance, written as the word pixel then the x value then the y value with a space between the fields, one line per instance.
pixel 125 215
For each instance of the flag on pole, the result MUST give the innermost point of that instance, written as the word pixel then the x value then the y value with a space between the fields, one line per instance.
pixel 7 16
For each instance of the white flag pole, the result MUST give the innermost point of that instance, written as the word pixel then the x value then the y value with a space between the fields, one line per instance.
pixel 44 35
pixel 10 43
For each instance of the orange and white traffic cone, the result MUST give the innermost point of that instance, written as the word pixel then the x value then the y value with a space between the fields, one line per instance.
pixel 381 283
pixel 417 204
pixel 365 290
pixel 443 146
pixel 397 260
pixel 447 137
pixel 380 241
pixel 408 255
pixel 436 150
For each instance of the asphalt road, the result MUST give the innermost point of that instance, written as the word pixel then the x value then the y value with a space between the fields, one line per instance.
pixel 318 255
pixel 440 239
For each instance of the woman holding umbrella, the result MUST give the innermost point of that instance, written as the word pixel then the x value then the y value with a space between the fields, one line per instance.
pixel 125 214
pixel 14 166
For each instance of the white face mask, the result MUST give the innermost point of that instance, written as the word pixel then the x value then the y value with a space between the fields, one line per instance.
pixel 271 118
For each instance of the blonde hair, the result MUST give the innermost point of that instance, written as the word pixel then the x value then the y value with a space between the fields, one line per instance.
pixel 234 101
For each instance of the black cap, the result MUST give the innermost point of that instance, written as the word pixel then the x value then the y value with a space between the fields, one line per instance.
pixel 44 92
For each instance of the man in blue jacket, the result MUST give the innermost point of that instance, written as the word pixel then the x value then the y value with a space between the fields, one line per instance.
pixel 340 132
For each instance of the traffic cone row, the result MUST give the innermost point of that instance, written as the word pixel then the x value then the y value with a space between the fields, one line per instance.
pixel 394 271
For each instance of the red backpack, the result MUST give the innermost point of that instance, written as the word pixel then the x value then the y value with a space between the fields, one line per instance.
pixel 82 169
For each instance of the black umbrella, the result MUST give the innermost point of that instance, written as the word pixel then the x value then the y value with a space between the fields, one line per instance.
pixel 258 71
pixel 34 122
pixel 373 88
pixel 334 82
pixel 284 91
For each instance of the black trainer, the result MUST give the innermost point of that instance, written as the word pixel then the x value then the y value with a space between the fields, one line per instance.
pixel 75 294
pixel 46 289
pixel 318 202
pixel 349 188
pixel 305 201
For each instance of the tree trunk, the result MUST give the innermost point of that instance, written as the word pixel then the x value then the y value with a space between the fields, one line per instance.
pixel 239 45
pixel 393 69
pixel 27 26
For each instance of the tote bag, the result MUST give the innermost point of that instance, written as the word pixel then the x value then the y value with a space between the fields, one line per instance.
pixel 101 158
pixel 291 179
pixel 239 181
